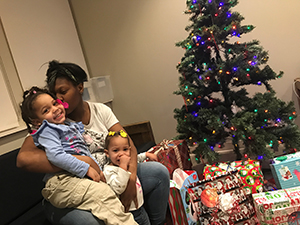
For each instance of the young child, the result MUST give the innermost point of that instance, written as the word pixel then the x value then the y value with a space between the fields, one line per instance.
pixel 117 150
pixel 61 140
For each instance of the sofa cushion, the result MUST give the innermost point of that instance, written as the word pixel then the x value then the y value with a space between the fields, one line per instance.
pixel 35 216
pixel 20 190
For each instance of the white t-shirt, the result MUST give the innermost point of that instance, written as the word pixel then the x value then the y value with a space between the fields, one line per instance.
pixel 102 118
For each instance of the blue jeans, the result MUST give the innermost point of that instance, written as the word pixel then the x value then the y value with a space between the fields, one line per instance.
pixel 69 216
pixel 140 216
pixel 155 181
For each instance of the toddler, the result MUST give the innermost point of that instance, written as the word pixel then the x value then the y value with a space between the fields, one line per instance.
pixel 117 150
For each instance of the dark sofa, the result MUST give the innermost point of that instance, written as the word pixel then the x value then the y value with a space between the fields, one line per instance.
pixel 20 194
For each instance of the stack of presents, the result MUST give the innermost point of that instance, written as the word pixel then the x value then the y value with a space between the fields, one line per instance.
pixel 232 192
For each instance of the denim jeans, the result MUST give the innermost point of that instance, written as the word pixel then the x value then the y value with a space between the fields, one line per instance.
pixel 155 181
pixel 140 216
pixel 69 216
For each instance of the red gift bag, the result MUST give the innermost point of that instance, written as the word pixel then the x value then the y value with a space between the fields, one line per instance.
pixel 173 154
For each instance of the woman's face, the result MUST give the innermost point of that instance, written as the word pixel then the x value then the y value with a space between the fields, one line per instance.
pixel 67 92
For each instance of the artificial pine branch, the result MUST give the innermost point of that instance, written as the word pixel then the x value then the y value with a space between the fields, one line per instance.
pixel 216 71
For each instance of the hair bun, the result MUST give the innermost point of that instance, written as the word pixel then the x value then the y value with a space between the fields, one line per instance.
pixel 53 64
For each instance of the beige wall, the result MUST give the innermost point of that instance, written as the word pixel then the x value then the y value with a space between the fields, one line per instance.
pixel 34 38
pixel 134 42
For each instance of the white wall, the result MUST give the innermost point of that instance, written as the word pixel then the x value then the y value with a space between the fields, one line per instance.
pixel 134 42
pixel 36 32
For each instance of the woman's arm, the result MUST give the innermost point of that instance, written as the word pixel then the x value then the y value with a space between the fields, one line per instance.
pixel 129 194
pixel 33 159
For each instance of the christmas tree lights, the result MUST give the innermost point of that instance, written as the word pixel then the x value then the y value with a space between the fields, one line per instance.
pixel 215 71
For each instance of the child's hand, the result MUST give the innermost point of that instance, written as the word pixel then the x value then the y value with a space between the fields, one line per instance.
pixel 151 156
pixel 124 161
pixel 92 173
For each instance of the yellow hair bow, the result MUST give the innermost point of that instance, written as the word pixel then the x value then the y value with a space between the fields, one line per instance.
pixel 122 133
pixel 111 133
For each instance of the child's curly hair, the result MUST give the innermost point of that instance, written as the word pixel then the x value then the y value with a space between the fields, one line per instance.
pixel 27 110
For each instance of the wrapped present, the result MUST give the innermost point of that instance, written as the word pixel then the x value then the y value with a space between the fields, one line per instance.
pixel 286 170
pixel 173 154
pixel 219 200
pixel 180 175
pixel 252 221
pixel 249 172
pixel 176 207
pixel 280 159
pixel 245 214
pixel 278 207
pixel 188 177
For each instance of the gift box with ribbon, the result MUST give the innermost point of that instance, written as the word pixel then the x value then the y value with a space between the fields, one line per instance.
pixel 249 172
pixel 285 170
pixel 278 207
pixel 173 154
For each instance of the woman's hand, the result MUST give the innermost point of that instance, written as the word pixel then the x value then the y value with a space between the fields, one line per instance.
pixel 102 177
pixel 92 173
pixel 88 160
pixel 93 164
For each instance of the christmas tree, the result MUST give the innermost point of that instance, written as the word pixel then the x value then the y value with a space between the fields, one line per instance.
pixel 215 71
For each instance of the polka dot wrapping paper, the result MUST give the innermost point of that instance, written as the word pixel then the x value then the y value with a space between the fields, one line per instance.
pixel 249 172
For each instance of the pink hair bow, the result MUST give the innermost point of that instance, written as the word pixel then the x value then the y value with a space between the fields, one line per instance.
pixel 65 104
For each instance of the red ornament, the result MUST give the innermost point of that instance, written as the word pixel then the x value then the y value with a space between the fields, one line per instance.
pixel 209 197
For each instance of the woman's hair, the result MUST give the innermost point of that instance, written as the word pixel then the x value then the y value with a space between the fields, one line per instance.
pixel 112 134
pixel 70 71
pixel 27 109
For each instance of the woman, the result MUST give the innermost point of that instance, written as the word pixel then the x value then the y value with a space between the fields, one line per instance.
pixel 66 81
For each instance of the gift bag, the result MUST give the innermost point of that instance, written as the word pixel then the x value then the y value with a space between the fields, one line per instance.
pixel 182 179
pixel 176 207
pixel 173 154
